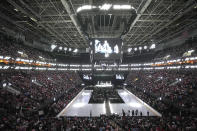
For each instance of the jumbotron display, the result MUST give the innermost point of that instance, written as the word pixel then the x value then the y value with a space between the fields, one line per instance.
pixel 87 77
pixel 106 48
pixel 119 77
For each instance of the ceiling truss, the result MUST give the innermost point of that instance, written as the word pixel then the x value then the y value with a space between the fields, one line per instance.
pixel 156 21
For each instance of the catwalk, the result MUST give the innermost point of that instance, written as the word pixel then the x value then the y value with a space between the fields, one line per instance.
pixel 80 107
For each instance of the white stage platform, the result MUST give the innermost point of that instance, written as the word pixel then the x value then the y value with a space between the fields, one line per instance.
pixel 79 105
pixel 132 103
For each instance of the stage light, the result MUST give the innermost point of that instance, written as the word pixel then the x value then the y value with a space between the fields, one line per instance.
pixel 60 48
pixel 167 56
pixel 33 19
pixel 140 48
pixel 75 51
pixel 6 67
pixel 85 7
pixel 145 47
pixel 105 6
pixel 4 84
pixel 41 57
pixel 190 51
pixel 69 49
pixel 53 47
pixel 152 46
pixel 122 7
pixel 16 10
pixel 135 49
pixel 129 49
pixel 20 52
pixel 65 48
pixel 7 58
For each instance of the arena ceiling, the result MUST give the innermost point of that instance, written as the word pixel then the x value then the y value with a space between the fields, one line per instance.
pixel 156 20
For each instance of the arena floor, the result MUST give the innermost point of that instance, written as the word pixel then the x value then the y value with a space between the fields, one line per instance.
pixel 80 107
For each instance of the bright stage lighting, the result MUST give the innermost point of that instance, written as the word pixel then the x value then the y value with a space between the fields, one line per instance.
pixel 152 46
pixel 105 7
pixel 60 48
pixel 53 47
pixel 129 49
pixel 122 7
pixel 75 51
pixel 85 7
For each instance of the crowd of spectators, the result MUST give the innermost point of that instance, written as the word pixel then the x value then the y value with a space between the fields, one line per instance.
pixel 35 95
pixel 171 92
pixel 65 99
pixel 40 85
pixel 16 49
pixel 38 96
pixel 177 86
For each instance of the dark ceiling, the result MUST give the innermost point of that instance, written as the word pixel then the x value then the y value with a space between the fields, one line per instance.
pixel 54 20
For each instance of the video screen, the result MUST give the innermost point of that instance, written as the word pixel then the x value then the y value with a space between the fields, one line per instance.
pixel 119 77
pixel 87 77
pixel 107 48
pixel 104 84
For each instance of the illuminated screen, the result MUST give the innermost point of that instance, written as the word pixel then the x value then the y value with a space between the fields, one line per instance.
pixel 107 48
pixel 104 84
pixel 87 77
pixel 119 77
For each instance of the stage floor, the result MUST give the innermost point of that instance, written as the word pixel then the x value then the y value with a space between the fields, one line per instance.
pixel 80 107
pixel 132 103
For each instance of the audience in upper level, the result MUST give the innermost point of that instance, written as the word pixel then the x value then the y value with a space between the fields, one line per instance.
pixel 15 48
